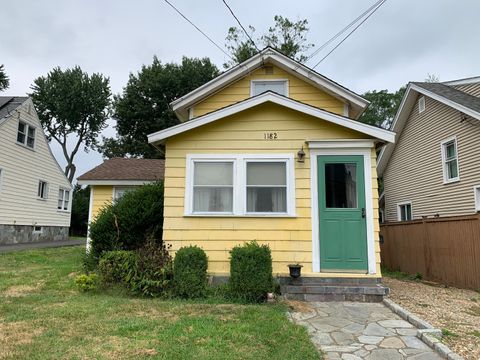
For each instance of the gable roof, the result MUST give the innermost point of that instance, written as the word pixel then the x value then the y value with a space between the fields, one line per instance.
pixel 379 133
pixel 269 55
pixel 8 104
pixel 459 100
pixel 123 169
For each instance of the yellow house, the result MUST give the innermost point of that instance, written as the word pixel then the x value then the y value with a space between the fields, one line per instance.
pixel 111 179
pixel 272 151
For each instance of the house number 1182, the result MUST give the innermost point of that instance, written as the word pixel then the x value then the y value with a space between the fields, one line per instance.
pixel 270 136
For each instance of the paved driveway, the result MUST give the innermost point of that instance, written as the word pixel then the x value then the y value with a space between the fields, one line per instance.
pixel 351 331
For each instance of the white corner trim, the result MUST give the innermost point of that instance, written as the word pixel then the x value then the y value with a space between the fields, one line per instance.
pixel 239 183
pixel 366 153
pixel 2 175
pixel 114 182
pixel 286 85
pixel 381 134
pixel 446 180
pixel 399 213
pixel 90 209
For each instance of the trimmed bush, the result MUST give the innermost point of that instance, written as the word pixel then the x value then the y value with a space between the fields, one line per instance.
pixel 250 272
pixel 115 267
pixel 127 223
pixel 86 282
pixel 190 272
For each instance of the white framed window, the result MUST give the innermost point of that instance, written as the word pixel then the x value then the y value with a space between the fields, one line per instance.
pixel 279 86
pixel 421 104
pixel 404 211
pixel 240 185
pixel 450 160
pixel 26 135
pixel 119 191
pixel 476 190
pixel 37 229
pixel 63 199
pixel 42 192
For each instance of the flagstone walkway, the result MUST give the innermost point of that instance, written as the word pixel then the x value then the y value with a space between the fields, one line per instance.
pixel 351 331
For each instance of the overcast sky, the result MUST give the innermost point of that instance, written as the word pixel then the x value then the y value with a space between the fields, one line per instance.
pixel 403 41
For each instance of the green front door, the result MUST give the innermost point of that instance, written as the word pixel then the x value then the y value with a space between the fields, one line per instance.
pixel 341 205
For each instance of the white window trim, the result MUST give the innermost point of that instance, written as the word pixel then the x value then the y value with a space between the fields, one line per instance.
pixel 476 195
pixel 239 183
pixel 24 144
pixel 325 148
pixel 287 93
pixel 37 232
pixel 421 104
pixel 70 198
pixel 399 212
pixel 446 180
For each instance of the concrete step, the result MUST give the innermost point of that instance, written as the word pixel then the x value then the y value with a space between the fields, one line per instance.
pixel 328 281
pixel 336 289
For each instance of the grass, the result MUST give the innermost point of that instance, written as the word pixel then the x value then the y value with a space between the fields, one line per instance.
pixel 43 316
pixel 448 333
pixel 400 275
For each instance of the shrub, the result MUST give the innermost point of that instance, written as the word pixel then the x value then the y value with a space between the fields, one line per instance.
pixel 86 282
pixel 153 272
pixel 250 272
pixel 126 224
pixel 115 267
pixel 190 272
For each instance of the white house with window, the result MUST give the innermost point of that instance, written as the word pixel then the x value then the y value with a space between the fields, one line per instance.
pixel 35 195
pixel 433 169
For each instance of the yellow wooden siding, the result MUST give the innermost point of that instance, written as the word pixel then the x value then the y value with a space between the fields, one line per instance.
pixel 298 90
pixel 290 239
pixel 102 195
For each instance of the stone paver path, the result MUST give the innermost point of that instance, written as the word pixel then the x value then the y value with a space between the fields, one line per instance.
pixel 351 331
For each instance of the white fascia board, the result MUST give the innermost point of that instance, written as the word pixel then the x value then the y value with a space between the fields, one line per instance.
pixel 114 182
pixel 341 144
pixel 268 55
pixel 381 134
pixel 466 81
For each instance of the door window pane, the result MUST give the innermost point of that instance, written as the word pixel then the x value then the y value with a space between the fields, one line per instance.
pixel 341 185
pixel 266 187
pixel 213 187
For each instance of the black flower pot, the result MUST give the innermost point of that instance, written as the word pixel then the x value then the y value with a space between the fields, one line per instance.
pixel 295 270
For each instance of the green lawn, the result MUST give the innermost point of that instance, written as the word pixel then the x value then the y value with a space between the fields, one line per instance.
pixel 43 316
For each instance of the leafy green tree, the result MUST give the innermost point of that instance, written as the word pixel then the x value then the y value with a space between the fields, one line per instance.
pixel 4 81
pixel 80 205
pixel 72 105
pixel 286 36
pixel 143 107
pixel 383 107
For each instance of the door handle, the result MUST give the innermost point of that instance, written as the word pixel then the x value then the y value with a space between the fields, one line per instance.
pixel 363 213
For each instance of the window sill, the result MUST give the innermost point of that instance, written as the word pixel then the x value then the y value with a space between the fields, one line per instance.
pixel 63 211
pixel 42 199
pixel 25 146
pixel 451 181
pixel 242 215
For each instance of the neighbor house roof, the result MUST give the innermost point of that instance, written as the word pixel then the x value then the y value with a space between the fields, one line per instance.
pixel 271 56
pixel 10 103
pixel 442 92
pixel 376 132
pixel 126 171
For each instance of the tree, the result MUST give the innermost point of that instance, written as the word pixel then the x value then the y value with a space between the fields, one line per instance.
pixel 432 78
pixel 80 205
pixel 4 81
pixel 383 107
pixel 143 107
pixel 71 102
pixel 286 36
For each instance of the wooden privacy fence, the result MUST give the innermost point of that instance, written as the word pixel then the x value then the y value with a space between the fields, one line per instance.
pixel 444 250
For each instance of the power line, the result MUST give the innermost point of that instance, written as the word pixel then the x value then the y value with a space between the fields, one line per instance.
pixel 196 27
pixel 343 30
pixel 239 23
pixel 350 33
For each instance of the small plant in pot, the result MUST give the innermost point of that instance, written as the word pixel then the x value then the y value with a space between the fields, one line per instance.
pixel 295 270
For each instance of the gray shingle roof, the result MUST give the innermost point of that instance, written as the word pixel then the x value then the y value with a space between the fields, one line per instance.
pixel 127 169
pixel 10 103
pixel 450 93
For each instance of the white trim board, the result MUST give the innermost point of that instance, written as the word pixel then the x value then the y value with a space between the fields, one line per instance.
pixel 366 153
pixel 114 182
pixel 378 133
pixel 268 55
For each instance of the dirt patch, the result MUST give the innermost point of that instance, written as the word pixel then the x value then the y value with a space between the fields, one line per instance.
pixel 298 306
pixel 13 334
pixel 22 290
pixel 455 311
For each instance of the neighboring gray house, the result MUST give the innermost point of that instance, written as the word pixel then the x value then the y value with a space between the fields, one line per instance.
pixel 35 195
pixel 433 169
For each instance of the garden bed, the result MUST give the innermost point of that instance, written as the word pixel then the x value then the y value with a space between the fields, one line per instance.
pixel 455 311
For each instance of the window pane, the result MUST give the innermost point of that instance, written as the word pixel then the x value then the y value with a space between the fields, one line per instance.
pixel 266 173
pixel 213 173
pixel 450 150
pixel 67 195
pixel 60 204
pixel 452 169
pixel 65 205
pixel 21 138
pixel 276 86
pixel 39 192
pixel 408 212
pixel 31 131
pixel 267 199
pixel 341 185
pixel 21 127
pixel 211 199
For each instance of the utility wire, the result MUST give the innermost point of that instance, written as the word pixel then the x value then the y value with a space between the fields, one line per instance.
pixel 196 27
pixel 343 30
pixel 350 33
pixel 239 23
